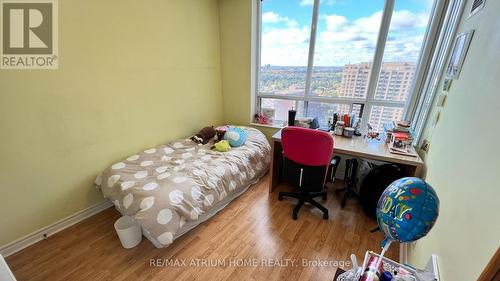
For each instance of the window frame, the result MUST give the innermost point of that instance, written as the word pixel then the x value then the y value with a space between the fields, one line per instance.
pixel 447 23
pixel 369 101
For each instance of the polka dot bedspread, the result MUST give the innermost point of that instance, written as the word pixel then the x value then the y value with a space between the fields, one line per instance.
pixel 166 186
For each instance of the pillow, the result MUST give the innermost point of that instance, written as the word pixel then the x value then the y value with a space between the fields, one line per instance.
pixel 235 136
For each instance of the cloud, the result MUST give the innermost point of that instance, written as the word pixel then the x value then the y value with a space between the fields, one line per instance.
pixel 311 2
pixel 333 22
pixel 306 2
pixel 341 40
pixel 272 17
pixel 285 46
pixel 404 20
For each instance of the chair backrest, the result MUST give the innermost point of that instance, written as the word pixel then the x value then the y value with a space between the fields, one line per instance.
pixel 306 146
pixel 307 155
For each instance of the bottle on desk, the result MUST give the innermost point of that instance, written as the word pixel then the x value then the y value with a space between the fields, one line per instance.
pixel 371 273
pixel 339 128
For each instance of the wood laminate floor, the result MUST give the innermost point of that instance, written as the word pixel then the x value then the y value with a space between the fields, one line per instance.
pixel 251 239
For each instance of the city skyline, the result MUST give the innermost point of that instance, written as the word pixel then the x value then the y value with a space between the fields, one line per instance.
pixel 356 76
pixel 348 81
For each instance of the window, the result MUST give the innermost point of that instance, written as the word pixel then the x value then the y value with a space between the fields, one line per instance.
pixel 447 22
pixel 318 57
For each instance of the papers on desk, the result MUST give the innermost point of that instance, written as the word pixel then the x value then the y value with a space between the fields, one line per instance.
pixel 408 151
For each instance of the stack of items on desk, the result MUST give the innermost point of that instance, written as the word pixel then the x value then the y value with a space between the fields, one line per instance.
pixel 387 270
pixel 345 124
pixel 401 127
pixel 400 138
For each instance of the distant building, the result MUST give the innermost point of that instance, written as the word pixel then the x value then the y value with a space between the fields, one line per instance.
pixel 394 82
pixel 393 85
pixel 354 83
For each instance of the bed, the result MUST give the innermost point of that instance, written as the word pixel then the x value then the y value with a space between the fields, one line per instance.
pixel 172 188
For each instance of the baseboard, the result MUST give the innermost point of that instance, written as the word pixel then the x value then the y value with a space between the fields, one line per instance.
pixel 32 238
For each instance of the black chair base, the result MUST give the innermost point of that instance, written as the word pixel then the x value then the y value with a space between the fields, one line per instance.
pixel 305 198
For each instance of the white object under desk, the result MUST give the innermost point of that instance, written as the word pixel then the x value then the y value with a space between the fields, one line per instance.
pixel 5 273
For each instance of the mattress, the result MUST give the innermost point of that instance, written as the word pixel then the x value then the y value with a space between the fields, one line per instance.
pixel 207 215
pixel 171 188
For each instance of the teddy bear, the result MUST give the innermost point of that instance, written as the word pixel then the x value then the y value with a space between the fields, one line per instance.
pixel 204 135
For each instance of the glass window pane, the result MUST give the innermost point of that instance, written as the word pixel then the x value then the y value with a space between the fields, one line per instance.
pixel 280 107
pixel 402 50
pixel 325 111
pixel 300 109
pixel 286 28
pixel 345 46
pixel 380 115
pixel 357 108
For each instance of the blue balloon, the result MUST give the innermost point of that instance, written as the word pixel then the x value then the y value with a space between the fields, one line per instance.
pixel 407 209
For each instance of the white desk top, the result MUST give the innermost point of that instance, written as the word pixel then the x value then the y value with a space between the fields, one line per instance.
pixel 366 148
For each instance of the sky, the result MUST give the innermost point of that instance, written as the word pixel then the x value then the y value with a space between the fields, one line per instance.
pixel 347 31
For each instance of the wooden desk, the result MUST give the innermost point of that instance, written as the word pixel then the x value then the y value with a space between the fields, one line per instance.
pixel 356 147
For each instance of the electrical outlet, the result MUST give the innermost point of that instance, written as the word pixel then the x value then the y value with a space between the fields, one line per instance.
pixel 425 146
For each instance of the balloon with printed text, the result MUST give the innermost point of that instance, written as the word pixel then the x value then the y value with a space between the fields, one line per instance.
pixel 407 209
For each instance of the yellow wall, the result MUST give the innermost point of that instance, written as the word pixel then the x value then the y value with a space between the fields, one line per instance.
pixel 132 74
pixel 235 29
pixel 464 161
pixel 236 61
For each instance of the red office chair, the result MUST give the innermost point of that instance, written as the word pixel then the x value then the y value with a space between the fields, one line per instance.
pixel 306 159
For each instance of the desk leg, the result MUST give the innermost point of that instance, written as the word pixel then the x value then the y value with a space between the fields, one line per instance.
pixel 276 159
pixel 415 171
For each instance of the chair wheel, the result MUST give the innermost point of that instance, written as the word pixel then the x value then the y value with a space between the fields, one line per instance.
pixel 325 216
pixel 280 198
pixel 294 216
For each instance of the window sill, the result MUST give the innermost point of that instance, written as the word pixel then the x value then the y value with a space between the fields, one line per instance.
pixel 266 126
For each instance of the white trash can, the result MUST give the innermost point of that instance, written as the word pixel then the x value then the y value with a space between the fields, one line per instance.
pixel 129 231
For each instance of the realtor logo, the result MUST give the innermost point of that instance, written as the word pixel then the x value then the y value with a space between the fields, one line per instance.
pixel 28 34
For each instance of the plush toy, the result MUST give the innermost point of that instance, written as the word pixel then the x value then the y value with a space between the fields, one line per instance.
pixel 220 131
pixel 235 136
pixel 260 119
pixel 204 136
pixel 222 146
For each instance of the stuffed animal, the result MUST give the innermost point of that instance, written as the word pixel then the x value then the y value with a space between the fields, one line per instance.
pixel 222 146
pixel 220 131
pixel 260 119
pixel 204 136
pixel 235 136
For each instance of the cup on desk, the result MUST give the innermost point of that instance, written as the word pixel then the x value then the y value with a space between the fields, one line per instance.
pixel 348 132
